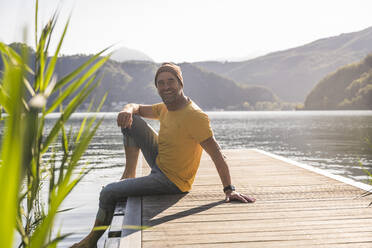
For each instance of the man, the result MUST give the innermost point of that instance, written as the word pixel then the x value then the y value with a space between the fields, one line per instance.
pixel 173 155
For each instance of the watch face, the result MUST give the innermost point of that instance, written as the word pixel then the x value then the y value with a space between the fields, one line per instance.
pixel 229 187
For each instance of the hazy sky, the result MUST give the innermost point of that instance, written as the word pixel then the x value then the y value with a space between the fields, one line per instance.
pixel 189 30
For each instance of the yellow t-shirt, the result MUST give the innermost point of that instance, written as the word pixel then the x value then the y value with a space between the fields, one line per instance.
pixel 180 134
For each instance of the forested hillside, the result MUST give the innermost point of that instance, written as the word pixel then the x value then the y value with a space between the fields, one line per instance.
pixel 350 87
pixel 211 90
pixel 133 81
pixel 291 74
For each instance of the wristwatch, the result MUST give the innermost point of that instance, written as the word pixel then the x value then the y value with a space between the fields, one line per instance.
pixel 229 187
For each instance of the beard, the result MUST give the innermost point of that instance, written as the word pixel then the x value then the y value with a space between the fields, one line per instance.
pixel 169 97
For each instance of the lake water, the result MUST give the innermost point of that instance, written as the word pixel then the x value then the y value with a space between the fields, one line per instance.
pixel 332 140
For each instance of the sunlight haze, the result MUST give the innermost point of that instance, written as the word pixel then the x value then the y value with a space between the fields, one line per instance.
pixel 189 30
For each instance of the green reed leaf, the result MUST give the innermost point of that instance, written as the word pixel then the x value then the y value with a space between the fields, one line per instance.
pixel 53 61
pixel 53 21
pixel 11 56
pixel 11 159
pixel 76 72
pixel 84 142
pixel 54 242
pixel 24 143
pixel 41 233
pixel 36 18
pixel 70 90
pixel 71 107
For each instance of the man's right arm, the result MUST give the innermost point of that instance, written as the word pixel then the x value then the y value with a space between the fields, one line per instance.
pixel 125 118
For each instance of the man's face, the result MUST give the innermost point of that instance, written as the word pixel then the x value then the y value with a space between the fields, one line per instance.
pixel 168 87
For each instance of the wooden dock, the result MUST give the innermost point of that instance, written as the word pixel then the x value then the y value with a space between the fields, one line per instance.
pixel 297 206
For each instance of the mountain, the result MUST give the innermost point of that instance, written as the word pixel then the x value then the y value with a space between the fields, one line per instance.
pixel 210 90
pixel 291 74
pixel 126 54
pixel 350 87
pixel 133 81
pixel 130 81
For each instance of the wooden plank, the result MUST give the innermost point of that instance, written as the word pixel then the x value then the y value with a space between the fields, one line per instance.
pixel 126 222
pixel 362 242
pixel 345 180
pixel 112 242
pixel 312 238
pixel 116 226
pixel 263 230
pixel 117 220
pixel 295 207
pixel 131 235
pixel 132 229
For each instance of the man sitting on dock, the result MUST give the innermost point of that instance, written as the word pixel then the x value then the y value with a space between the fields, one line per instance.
pixel 173 155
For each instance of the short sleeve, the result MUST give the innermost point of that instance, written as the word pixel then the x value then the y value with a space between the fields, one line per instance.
pixel 199 127
pixel 156 109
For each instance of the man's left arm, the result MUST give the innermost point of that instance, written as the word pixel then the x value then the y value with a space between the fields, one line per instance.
pixel 213 149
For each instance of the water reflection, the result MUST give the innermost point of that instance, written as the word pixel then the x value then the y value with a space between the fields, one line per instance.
pixel 332 140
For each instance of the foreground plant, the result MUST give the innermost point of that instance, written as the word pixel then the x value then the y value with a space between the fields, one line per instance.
pixel 23 166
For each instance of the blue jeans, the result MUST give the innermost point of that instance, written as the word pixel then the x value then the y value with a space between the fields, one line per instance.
pixel 156 183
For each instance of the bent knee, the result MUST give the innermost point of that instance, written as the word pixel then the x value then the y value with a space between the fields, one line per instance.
pixel 138 122
pixel 106 197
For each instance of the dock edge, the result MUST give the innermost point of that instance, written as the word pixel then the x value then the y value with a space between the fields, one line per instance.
pixel 323 172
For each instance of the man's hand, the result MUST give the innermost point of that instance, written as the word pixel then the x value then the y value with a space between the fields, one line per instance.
pixel 125 119
pixel 235 196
